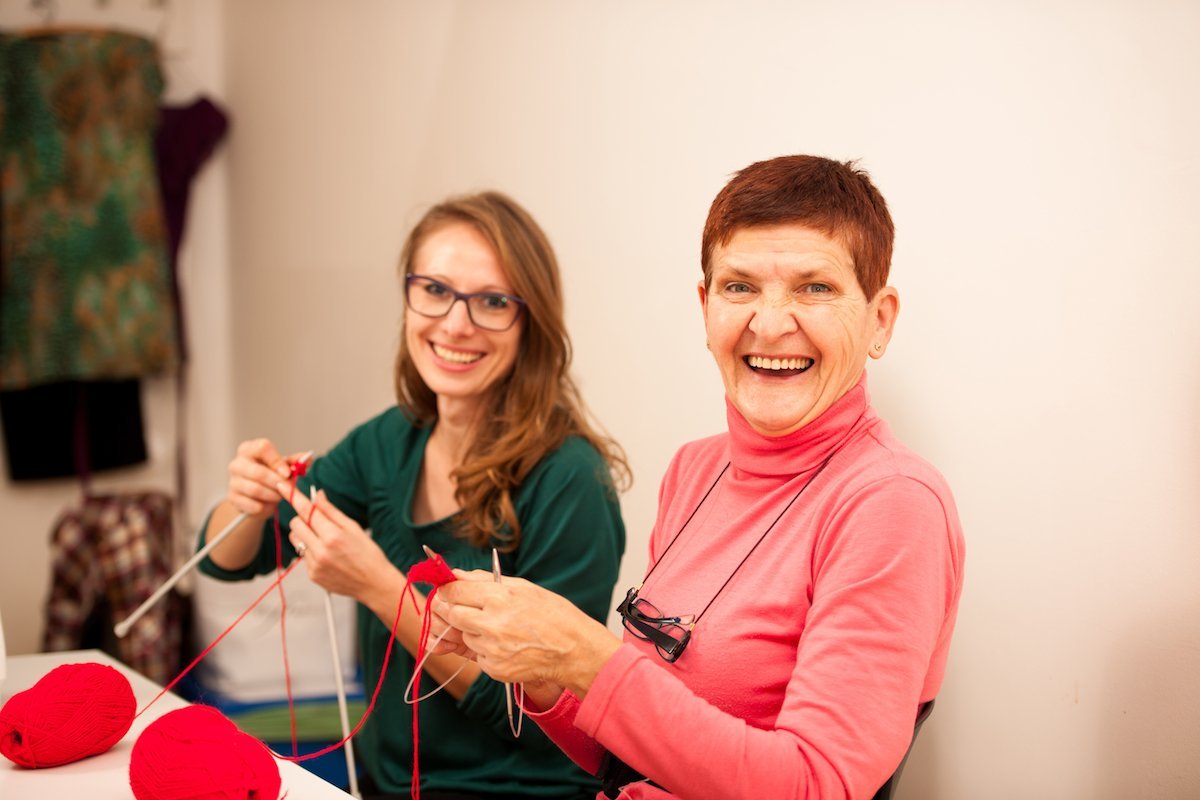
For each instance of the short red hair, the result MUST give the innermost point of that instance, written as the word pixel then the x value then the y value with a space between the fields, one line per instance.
pixel 833 197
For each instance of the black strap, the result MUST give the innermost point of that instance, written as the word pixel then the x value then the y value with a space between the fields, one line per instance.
pixel 615 773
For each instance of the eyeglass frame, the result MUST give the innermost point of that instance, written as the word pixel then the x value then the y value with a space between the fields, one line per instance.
pixel 466 297
pixel 651 629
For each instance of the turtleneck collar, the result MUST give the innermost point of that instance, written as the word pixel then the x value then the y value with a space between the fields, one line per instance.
pixel 803 449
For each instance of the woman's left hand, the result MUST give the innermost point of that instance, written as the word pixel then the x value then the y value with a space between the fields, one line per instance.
pixel 339 555
pixel 522 633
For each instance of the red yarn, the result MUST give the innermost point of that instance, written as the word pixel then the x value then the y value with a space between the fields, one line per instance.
pixel 196 752
pixel 74 711
pixel 297 469
pixel 435 571
pixel 217 640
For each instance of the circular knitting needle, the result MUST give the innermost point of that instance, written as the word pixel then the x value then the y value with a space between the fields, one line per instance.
pixel 508 689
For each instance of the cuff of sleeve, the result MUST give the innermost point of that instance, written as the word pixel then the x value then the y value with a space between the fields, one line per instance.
pixel 209 567
pixel 616 671
pixel 563 709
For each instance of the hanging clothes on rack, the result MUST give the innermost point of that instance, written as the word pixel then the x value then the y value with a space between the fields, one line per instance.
pixel 86 289
pixel 109 554
pixel 86 297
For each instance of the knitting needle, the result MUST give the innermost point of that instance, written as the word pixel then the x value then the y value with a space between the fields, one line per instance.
pixel 508 689
pixel 341 686
pixel 122 628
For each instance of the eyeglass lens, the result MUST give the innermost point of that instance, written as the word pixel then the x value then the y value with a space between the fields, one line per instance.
pixel 646 622
pixel 491 310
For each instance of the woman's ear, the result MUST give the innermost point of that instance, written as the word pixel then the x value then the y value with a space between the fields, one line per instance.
pixel 884 309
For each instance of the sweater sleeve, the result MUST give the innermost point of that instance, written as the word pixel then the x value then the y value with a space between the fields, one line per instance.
pixel 885 582
pixel 572 539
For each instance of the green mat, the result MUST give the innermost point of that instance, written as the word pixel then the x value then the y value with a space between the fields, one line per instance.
pixel 316 721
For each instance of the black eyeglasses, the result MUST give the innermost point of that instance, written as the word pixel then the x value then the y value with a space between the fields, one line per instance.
pixel 493 311
pixel 669 635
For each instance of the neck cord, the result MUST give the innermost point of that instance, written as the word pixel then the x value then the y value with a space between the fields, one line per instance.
pixel 745 558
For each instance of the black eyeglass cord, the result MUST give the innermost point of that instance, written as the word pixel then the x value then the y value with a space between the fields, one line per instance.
pixel 745 558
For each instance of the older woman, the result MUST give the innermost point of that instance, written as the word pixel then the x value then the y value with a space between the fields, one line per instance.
pixel 805 566
pixel 488 447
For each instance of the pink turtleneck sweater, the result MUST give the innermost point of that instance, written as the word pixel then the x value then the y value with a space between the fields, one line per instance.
pixel 803 678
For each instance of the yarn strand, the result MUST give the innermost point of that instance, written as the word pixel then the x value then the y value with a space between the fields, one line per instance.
pixel 217 641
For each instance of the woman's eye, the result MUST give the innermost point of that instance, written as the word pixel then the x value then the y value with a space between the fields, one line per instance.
pixel 436 289
pixel 819 288
pixel 494 302
pixel 737 288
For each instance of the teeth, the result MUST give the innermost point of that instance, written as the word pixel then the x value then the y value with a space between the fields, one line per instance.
pixel 456 356
pixel 759 362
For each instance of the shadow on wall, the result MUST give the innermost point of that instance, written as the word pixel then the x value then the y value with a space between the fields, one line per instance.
pixel 1151 745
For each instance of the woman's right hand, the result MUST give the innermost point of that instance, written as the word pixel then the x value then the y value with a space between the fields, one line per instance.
pixel 254 472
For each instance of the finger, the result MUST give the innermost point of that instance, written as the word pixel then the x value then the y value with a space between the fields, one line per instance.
pixel 264 452
pixel 474 575
pixel 330 511
pixel 254 490
pixel 467 619
pixel 467 591
pixel 298 500
pixel 303 543
pixel 307 533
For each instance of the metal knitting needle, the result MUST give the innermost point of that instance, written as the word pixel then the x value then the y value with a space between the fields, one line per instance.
pixel 123 627
pixel 508 689
pixel 338 681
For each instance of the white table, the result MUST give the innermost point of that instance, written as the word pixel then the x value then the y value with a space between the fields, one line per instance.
pixel 107 775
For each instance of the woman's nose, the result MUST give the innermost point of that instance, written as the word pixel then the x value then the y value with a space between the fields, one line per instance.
pixel 458 318
pixel 774 317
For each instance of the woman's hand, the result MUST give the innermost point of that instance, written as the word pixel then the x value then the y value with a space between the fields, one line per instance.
pixel 338 554
pixel 519 632
pixel 254 475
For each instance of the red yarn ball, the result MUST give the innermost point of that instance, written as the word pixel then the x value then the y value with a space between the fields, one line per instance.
pixel 74 711
pixel 196 753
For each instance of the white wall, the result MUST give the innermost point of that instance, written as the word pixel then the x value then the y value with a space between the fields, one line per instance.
pixel 1039 161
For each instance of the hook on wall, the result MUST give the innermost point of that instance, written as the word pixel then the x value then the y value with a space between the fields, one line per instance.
pixel 47 8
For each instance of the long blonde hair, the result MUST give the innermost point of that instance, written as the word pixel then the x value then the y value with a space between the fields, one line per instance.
pixel 532 410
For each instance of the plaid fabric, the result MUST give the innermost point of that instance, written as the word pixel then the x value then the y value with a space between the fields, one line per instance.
pixel 114 551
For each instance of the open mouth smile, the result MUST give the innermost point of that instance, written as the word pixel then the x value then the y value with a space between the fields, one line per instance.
pixel 455 356
pixel 778 366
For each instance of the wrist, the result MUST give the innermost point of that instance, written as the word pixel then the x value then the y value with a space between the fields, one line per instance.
pixel 382 591
pixel 594 651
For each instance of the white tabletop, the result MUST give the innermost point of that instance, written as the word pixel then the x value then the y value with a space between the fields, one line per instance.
pixel 107 775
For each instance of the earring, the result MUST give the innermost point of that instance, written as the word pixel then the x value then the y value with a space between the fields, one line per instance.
pixel 878 347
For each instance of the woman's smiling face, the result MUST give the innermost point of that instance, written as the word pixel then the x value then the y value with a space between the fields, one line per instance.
pixel 788 324
pixel 459 361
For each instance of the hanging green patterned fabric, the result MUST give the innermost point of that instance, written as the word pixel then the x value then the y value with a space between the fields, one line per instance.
pixel 84 272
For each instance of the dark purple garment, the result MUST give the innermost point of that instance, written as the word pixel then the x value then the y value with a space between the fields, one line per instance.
pixel 187 137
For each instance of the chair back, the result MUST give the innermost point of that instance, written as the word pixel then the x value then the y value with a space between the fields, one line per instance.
pixel 889 789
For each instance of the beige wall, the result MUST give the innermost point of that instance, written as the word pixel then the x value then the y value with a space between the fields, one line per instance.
pixel 1039 161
